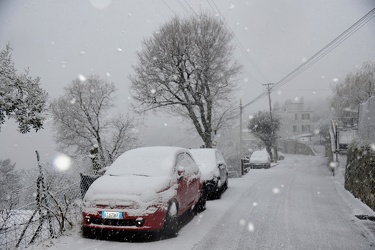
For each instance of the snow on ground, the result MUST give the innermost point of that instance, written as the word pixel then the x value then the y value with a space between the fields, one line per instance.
pixel 218 223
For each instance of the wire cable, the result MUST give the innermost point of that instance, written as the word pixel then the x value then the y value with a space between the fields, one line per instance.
pixel 240 46
pixel 320 54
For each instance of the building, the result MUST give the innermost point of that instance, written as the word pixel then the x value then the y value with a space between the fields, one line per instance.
pixel 295 120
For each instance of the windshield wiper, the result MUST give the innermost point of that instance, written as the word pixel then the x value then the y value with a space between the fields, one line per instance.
pixel 141 175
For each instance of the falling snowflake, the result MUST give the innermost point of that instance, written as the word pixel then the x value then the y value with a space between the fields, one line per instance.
pixel 73 101
pixel 333 164
pixel 255 204
pixel 108 74
pixel 231 6
pixel 119 49
pixel 304 59
pixel 166 124
pixel 275 190
pixel 82 52
pixel 250 227
pixel 82 78
pixel 242 222
pixel 335 79
pixel 372 147
pixel 62 162
pixel 100 4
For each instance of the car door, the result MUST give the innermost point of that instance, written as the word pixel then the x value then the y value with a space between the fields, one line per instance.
pixel 182 168
pixel 194 179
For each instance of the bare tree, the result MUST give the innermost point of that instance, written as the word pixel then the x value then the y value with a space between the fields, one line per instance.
pixel 356 88
pixel 21 97
pixel 81 121
pixel 186 69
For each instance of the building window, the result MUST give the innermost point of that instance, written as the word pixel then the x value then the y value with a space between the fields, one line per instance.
pixel 305 128
pixel 306 116
pixel 294 129
pixel 295 116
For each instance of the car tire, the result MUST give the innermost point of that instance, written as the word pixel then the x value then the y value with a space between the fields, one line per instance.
pixel 201 204
pixel 170 228
pixel 218 191
pixel 225 186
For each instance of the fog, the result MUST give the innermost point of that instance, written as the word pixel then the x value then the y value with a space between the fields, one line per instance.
pixel 60 40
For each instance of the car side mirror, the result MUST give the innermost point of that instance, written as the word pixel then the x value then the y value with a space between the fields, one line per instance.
pixel 180 172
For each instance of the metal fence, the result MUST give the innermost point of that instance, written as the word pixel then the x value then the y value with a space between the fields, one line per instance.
pixel 47 203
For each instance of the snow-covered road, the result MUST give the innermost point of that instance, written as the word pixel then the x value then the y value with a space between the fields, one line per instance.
pixel 297 204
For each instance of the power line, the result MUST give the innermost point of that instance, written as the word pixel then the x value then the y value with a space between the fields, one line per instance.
pixel 169 7
pixel 320 54
pixel 191 7
pixel 247 56
pixel 326 49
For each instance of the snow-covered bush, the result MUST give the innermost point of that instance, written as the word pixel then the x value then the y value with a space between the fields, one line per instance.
pixel 360 172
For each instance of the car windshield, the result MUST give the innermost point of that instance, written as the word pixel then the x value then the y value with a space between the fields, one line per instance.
pixel 259 154
pixel 155 161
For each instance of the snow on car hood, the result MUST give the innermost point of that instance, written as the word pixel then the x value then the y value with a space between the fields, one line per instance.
pixel 128 187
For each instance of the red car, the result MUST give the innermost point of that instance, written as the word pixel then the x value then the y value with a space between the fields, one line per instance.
pixel 145 189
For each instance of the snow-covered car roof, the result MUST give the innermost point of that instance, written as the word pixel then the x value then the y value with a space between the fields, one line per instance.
pixel 148 161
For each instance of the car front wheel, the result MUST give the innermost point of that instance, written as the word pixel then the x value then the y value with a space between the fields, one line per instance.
pixel 201 204
pixel 170 228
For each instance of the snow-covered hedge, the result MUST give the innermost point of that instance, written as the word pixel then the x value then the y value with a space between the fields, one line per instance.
pixel 360 172
pixel 366 123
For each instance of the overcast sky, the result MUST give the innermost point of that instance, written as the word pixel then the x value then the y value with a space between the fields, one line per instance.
pixel 60 40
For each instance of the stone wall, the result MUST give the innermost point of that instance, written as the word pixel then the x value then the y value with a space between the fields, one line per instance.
pixel 360 173
pixel 295 147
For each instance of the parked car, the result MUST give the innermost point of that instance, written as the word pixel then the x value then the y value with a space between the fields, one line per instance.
pixel 145 189
pixel 214 170
pixel 280 155
pixel 260 159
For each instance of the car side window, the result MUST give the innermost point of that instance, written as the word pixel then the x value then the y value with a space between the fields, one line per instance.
pixel 183 161
pixel 193 165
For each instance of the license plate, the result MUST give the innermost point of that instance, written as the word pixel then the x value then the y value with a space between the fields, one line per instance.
pixel 111 215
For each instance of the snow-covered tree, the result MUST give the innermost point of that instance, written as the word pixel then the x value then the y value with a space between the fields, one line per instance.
pixel 81 121
pixel 21 96
pixel 186 69
pixel 260 125
pixel 355 89
pixel 9 186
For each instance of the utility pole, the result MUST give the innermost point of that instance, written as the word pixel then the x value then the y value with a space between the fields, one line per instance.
pixel 272 132
pixel 240 153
